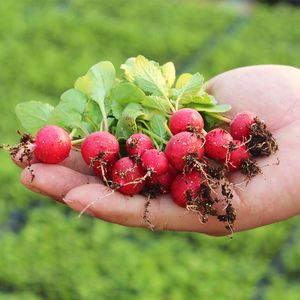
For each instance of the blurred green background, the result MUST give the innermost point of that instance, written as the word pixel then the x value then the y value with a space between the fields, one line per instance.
pixel 46 252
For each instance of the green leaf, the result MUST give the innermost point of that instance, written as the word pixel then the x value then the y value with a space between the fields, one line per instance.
pixel 146 74
pixel 218 108
pixel 126 92
pixel 157 125
pixel 148 113
pixel 68 113
pixel 183 79
pixel 128 68
pixel 96 84
pixel 169 73
pixel 74 98
pixel 157 103
pixel 107 105
pixel 205 99
pixel 211 122
pixel 33 115
pixel 122 94
pixel 98 81
pixel 127 123
pixel 117 109
pixel 190 89
pixel 111 121
pixel 84 127
pixel 92 115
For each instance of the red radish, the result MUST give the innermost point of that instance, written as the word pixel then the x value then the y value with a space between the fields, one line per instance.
pixel 186 119
pixel 182 145
pixel 217 144
pixel 240 125
pixel 127 174
pixel 138 143
pixel 186 187
pixel 101 146
pixel 237 155
pixel 162 183
pixel 52 145
pixel 155 161
pixel 107 169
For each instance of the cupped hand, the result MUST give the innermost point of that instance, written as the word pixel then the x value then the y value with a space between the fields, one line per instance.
pixel 273 93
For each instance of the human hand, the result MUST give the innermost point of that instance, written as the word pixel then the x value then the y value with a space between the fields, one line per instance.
pixel 273 93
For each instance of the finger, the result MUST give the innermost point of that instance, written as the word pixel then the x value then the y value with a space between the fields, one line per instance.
pixel 100 202
pixel 24 157
pixel 274 195
pixel 255 88
pixel 74 161
pixel 54 181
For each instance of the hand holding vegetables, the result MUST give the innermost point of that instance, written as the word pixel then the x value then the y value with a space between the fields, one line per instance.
pixel 253 201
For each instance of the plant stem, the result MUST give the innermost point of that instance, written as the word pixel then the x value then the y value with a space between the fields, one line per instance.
pixel 156 145
pixel 104 116
pixel 84 130
pixel 177 104
pixel 168 130
pixel 75 142
pixel 170 104
pixel 220 117
pixel 71 135
pixel 75 149
pixel 154 135
pixel 144 123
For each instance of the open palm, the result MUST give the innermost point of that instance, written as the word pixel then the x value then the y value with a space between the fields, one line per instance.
pixel 273 93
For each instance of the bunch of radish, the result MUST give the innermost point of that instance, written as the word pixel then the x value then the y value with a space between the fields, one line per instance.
pixel 139 135
pixel 180 169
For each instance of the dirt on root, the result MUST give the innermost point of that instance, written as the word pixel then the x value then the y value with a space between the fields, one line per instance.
pixel 250 168
pixel 229 217
pixel 133 142
pixel 199 135
pixel 25 148
pixel 204 203
pixel 216 172
pixel 146 215
pixel 262 142
pixel 152 191
pixel 26 140
pixel 100 165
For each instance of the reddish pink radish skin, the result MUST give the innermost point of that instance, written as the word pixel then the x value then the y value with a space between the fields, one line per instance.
pixel 52 145
pixel 217 144
pixel 237 156
pixel 100 144
pixel 186 119
pixel 183 144
pixel 126 171
pixel 240 125
pixel 163 182
pixel 138 143
pixel 184 185
pixel 155 161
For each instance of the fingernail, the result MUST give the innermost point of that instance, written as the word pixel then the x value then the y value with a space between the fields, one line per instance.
pixel 35 190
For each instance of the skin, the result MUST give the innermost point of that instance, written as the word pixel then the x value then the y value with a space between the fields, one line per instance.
pixel 273 93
